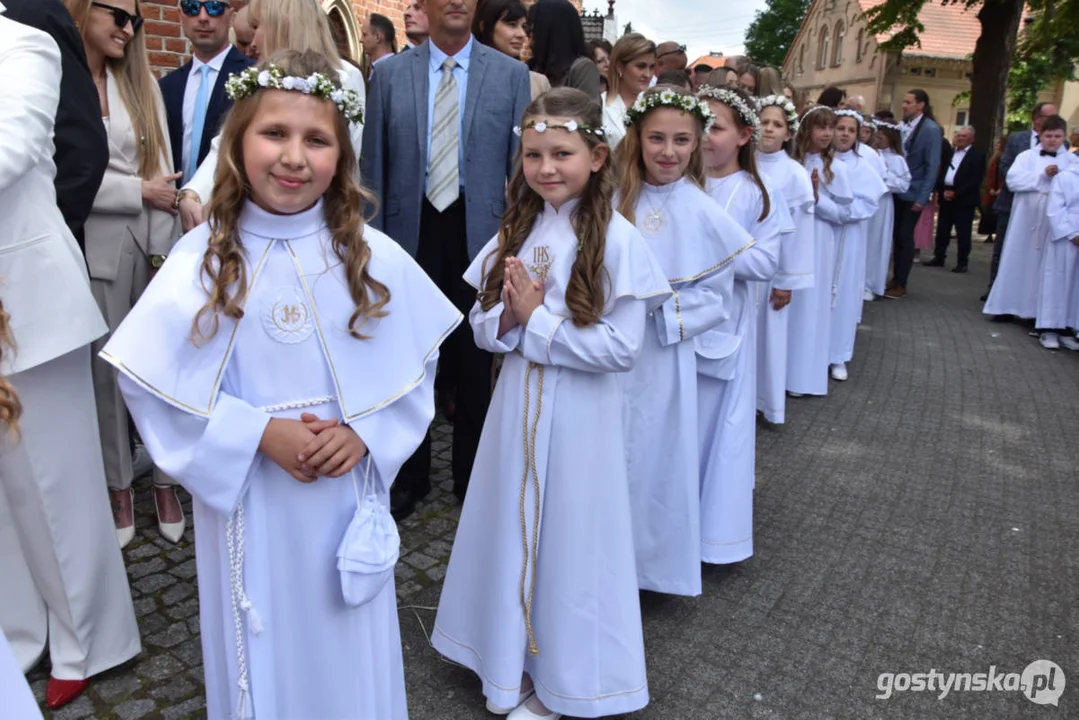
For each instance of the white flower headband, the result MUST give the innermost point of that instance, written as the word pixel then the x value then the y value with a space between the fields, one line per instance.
pixel 814 109
pixel 572 126
pixel 247 83
pixel 735 102
pixel 844 112
pixel 669 98
pixel 885 124
pixel 783 103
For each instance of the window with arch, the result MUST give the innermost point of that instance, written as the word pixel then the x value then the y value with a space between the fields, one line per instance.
pixel 822 48
pixel 837 44
pixel 859 51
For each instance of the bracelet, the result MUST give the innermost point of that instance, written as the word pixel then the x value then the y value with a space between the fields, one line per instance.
pixel 185 193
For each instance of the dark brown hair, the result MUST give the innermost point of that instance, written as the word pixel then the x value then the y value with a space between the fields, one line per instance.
pixel 224 267
pixel 585 292
pixel 814 117
pixel 10 407
pixel 747 154
pixel 631 159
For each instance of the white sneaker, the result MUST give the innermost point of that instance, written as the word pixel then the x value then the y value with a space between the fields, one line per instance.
pixel 1069 342
pixel 1050 341
pixel 868 296
pixel 839 372
pixel 791 393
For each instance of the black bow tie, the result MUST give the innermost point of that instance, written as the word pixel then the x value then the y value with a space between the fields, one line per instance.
pixel 1050 153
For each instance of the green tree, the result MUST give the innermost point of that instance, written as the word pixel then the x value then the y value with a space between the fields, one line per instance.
pixel 773 30
pixel 1047 50
pixel 993 51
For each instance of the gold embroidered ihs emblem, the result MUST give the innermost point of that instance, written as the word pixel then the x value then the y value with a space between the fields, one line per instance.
pixel 287 318
pixel 541 261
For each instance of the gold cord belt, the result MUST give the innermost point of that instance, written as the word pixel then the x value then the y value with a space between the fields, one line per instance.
pixel 529 437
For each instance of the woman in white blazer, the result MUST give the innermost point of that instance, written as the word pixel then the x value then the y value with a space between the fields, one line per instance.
pixel 131 228
pixel 633 60
pixel 63 588
pixel 279 25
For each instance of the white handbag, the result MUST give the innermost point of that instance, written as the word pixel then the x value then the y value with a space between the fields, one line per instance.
pixel 370 547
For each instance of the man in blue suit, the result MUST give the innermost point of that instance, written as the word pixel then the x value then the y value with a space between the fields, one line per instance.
pixel 195 100
pixel 438 148
pixel 922 139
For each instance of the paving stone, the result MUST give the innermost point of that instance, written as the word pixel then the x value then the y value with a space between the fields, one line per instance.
pixel 142 569
pixel 178 592
pixel 177 633
pixel 134 709
pixel 154 583
pixel 116 687
pixel 160 667
pixel 185 570
pixel 191 708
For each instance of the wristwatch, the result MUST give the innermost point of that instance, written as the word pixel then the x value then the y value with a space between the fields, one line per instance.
pixel 185 193
pixel 156 261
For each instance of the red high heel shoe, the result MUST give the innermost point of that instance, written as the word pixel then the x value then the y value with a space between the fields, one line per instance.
pixel 60 692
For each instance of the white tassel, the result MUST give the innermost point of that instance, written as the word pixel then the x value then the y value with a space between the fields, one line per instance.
pixel 254 621
pixel 243 707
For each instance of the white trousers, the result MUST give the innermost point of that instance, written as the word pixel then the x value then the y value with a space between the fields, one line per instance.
pixel 63 575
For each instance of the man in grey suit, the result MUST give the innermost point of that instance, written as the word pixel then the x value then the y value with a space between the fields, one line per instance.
pixel 922 138
pixel 1019 141
pixel 438 148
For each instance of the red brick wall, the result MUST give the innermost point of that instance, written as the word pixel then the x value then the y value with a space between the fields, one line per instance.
pixel 168 47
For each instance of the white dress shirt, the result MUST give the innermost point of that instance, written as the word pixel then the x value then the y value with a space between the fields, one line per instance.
pixel 1035 141
pixel 194 79
pixel 434 77
pixel 907 128
pixel 957 159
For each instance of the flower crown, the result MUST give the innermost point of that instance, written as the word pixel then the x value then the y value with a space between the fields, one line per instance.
pixel 669 98
pixel 247 83
pixel 783 103
pixel 571 126
pixel 816 108
pixel 885 124
pixel 735 102
pixel 845 112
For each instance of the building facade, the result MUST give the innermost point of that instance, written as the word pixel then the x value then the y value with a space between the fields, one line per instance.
pixel 833 47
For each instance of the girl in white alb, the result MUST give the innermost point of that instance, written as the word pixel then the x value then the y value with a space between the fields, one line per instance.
pixel 564 292
pixel 848 285
pixel 811 308
pixel 282 359
pixel 889 143
pixel 727 382
pixel 696 242
pixel 779 123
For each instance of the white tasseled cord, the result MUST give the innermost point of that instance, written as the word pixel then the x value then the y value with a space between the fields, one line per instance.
pixel 234 538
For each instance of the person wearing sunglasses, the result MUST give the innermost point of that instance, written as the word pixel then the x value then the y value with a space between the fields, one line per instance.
pixel 63 588
pixel 131 229
pixel 195 99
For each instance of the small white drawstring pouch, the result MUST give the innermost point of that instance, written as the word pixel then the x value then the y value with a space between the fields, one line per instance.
pixel 370 547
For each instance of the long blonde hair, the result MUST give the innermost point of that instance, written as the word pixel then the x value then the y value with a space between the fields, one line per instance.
pixel 628 48
pixel 816 116
pixel 10 407
pixel 224 267
pixel 294 25
pixel 585 292
pixel 631 158
pixel 139 92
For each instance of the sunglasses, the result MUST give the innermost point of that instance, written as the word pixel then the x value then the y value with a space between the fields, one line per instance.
pixel 121 17
pixel 214 8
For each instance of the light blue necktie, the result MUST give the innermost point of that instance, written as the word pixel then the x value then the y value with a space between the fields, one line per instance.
pixel 198 121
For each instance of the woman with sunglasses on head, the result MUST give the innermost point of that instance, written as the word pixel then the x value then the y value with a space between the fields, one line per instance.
pixel 131 228
pixel 279 25
pixel 502 25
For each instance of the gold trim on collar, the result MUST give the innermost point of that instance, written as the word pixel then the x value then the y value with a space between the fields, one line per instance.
pixel 349 417
pixel 224 361
pixel 715 267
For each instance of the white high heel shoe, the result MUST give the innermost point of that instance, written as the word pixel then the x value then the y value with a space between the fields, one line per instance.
pixel 170 531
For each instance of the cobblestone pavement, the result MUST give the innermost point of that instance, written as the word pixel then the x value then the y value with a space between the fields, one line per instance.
pixel 921 517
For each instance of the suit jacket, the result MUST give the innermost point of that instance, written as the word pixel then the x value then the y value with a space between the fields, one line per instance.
pixel 395 141
pixel 968 178
pixel 923 159
pixel 82 150
pixel 119 209
pixel 173 87
pixel 43 278
pixel 1017 142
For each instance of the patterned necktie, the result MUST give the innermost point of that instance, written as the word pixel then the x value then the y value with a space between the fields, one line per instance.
pixel 198 121
pixel 443 179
